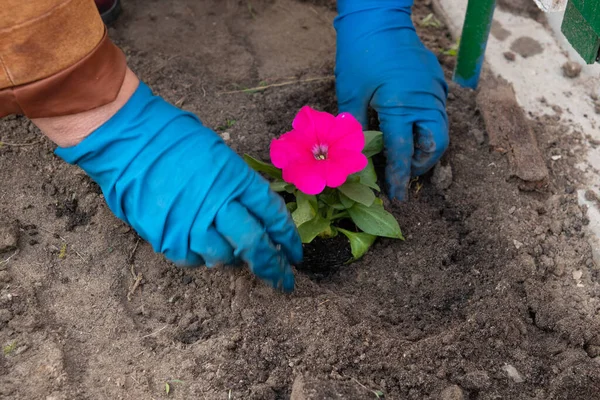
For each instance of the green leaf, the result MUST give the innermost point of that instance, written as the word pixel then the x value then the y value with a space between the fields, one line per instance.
pixel 291 206
pixel 368 176
pixel 307 208
pixel 360 242
pixel 375 220
pixel 167 388
pixel 261 166
pixel 346 201
pixel 311 229
pixel 354 178
pixel 358 192
pixel 278 186
pixel 373 143
pixel 331 199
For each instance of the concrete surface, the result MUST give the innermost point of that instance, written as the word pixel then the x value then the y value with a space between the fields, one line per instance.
pixel 541 75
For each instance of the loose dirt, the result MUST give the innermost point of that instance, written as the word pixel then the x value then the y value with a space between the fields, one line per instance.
pixel 493 295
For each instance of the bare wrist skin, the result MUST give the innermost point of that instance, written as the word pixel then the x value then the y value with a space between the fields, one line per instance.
pixel 70 130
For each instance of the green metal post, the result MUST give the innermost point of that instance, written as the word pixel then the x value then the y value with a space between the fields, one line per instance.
pixel 473 41
pixel 581 27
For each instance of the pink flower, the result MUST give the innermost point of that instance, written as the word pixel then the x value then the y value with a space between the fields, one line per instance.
pixel 321 150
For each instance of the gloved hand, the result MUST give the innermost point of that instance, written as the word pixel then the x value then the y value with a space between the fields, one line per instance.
pixel 381 62
pixel 186 192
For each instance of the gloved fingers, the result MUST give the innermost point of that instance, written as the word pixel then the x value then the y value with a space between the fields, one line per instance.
pixel 209 245
pixel 356 105
pixel 269 208
pixel 252 244
pixel 431 142
pixel 399 149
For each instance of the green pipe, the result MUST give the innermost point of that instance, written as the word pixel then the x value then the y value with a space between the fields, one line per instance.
pixel 473 41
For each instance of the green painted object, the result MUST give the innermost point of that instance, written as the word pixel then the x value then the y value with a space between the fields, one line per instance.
pixel 581 27
pixel 473 41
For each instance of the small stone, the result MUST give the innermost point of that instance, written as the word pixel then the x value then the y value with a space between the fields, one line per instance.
pixel 512 209
pixel 5 277
pixel 476 380
pixel 571 69
pixel 547 262
pixel 513 373
pixel 186 279
pixel 479 136
pixel 5 315
pixel 226 136
pixel 559 268
pixel 510 56
pixel 9 236
pixel 517 244
pixel 442 176
pixel 556 227
pixel 593 351
pixel 453 392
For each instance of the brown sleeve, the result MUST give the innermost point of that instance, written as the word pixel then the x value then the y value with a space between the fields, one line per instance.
pixel 55 58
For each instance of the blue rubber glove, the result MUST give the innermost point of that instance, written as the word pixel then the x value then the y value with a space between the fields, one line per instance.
pixel 186 192
pixel 382 63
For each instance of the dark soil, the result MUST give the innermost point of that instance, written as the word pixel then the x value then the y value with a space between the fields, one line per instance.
pixel 490 280
pixel 324 257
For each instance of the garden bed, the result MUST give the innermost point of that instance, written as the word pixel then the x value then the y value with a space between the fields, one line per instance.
pixel 493 294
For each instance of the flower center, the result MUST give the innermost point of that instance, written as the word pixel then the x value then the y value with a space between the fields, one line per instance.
pixel 320 151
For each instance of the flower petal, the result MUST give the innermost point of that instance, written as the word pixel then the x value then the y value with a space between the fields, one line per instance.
pixel 314 124
pixel 342 163
pixel 289 147
pixel 347 133
pixel 308 177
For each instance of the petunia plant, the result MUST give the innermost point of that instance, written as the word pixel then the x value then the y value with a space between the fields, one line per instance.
pixel 323 169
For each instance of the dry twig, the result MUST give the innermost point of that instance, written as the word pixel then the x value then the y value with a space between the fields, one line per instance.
pixel 137 279
pixel 3 143
pixel 261 88
pixel 155 332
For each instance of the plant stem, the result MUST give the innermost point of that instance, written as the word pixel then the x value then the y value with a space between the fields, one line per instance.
pixel 339 215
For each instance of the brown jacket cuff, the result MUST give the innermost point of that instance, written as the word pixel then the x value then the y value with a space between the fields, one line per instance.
pixel 92 82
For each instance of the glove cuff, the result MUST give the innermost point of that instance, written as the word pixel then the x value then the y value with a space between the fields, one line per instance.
pixel 351 6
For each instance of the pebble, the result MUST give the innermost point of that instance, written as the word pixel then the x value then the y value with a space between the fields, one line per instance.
pixel 479 136
pixel 5 315
pixel 510 56
pixel 571 69
pixel 9 236
pixel 559 268
pixel 453 392
pixel 442 176
pixel 517 244
pixel 5 277
pixel 513 373
pixel 593 351
pixel 512 209
pixel 476 380
pixel 556 227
